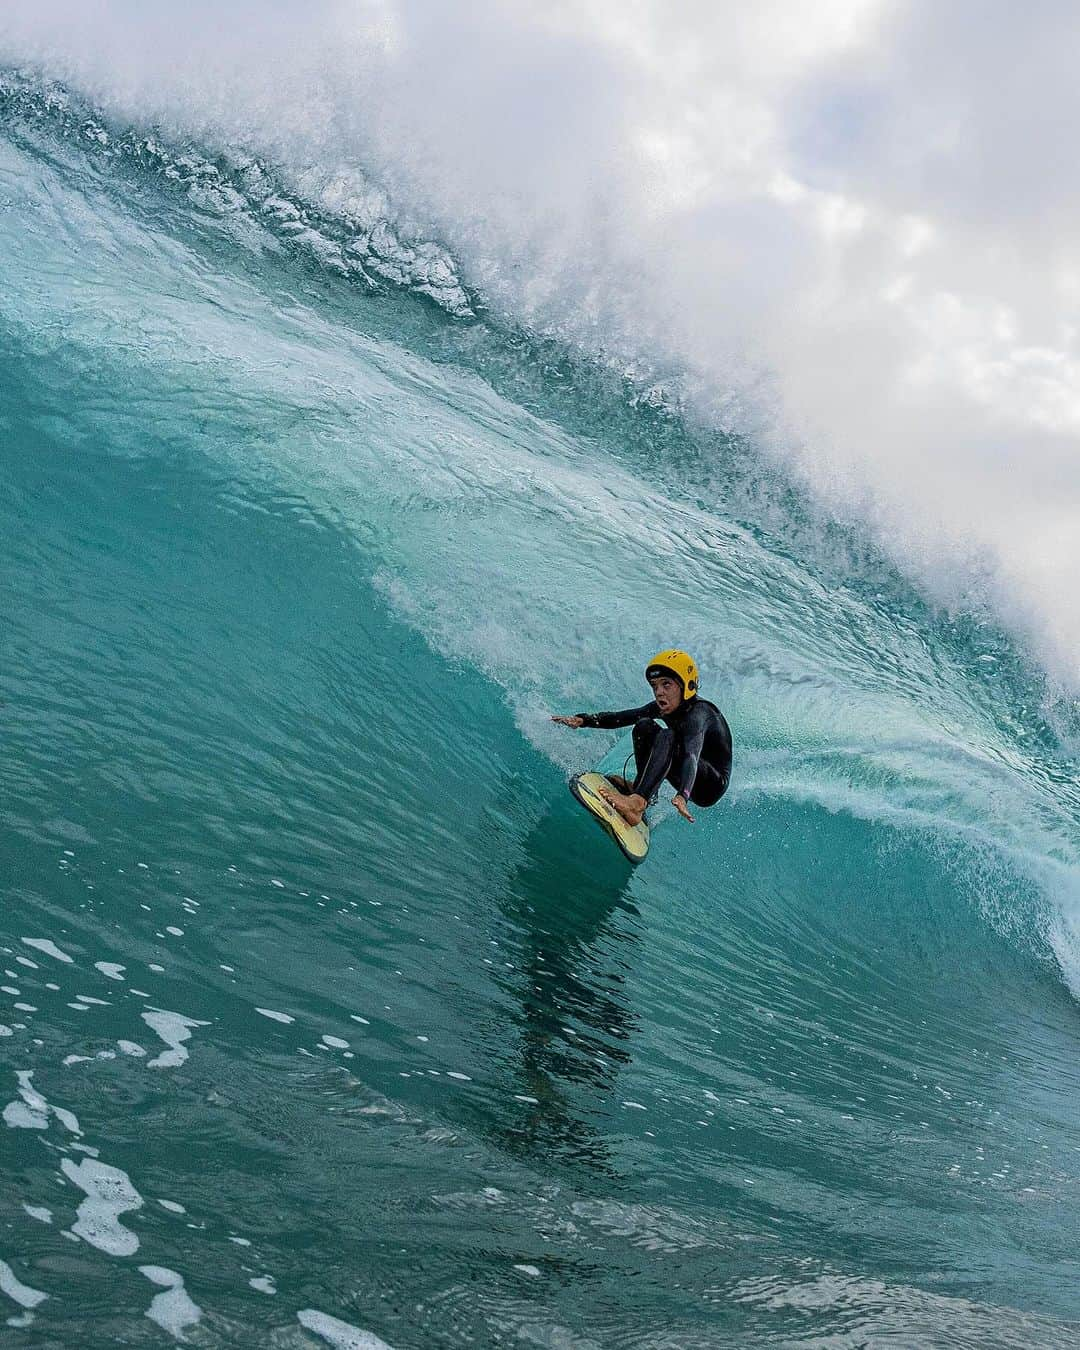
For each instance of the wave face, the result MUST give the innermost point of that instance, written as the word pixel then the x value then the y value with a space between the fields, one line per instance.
pixel 835 235
pixel 325 1008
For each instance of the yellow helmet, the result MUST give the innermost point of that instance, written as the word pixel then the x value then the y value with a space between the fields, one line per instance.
pixel 679 664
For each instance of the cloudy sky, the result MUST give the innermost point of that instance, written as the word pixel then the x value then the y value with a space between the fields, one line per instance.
pixel 851 227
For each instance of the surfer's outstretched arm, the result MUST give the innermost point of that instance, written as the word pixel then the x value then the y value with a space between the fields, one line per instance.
pixel 608 721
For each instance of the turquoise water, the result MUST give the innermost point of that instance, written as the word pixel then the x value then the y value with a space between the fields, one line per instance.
pixel 331 1017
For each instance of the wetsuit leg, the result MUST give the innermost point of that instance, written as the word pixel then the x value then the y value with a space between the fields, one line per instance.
pixel 709 785
pixel 654 747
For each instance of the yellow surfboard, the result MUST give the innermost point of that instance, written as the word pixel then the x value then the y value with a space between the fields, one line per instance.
pixel 632 839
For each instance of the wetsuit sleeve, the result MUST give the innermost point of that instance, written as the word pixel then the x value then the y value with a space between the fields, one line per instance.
pixel 693 741
pixel 626 718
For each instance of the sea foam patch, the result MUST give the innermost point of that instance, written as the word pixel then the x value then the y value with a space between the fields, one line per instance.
pixel 109 1193
pixel 22 1294
pixel 31 1111
pixel 49 948
pixel 175 1030
pixel 339 1334
pixel 174 1309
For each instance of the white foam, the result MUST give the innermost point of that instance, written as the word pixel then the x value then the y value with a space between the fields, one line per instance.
pixel 172 1206
pixel 18 1116
pixel 174 1029
pixel 275 1016
pixel 109 1193
pixel 39 1212
pixel 32 1112
pixel 174 1309
pixel 339 1334
pixel 335 1043
pixel 23 1295
pixel 110 969
pixel 131 1048
pixel 264 1284
pixel 50 948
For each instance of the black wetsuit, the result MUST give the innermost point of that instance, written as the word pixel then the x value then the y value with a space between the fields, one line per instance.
pixel 693 752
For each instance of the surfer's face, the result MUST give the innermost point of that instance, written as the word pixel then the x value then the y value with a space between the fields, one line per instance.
pixel 667 692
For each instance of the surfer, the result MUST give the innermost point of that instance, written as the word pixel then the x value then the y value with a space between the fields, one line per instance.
pixel 693 752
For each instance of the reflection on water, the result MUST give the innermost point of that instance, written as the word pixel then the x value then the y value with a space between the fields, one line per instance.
pixel 566 902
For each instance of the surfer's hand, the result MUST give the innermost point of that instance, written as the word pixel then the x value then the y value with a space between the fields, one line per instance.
pixel 569 721
pixel 679 803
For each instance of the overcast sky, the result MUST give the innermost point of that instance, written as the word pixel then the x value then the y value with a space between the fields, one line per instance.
pixel 852 226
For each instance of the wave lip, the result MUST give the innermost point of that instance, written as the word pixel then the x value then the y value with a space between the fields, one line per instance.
pixel 351 234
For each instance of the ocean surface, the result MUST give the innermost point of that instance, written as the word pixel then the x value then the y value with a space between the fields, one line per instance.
pixel 327 1017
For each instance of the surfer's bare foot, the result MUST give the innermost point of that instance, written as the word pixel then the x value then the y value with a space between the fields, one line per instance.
pixel 630 806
